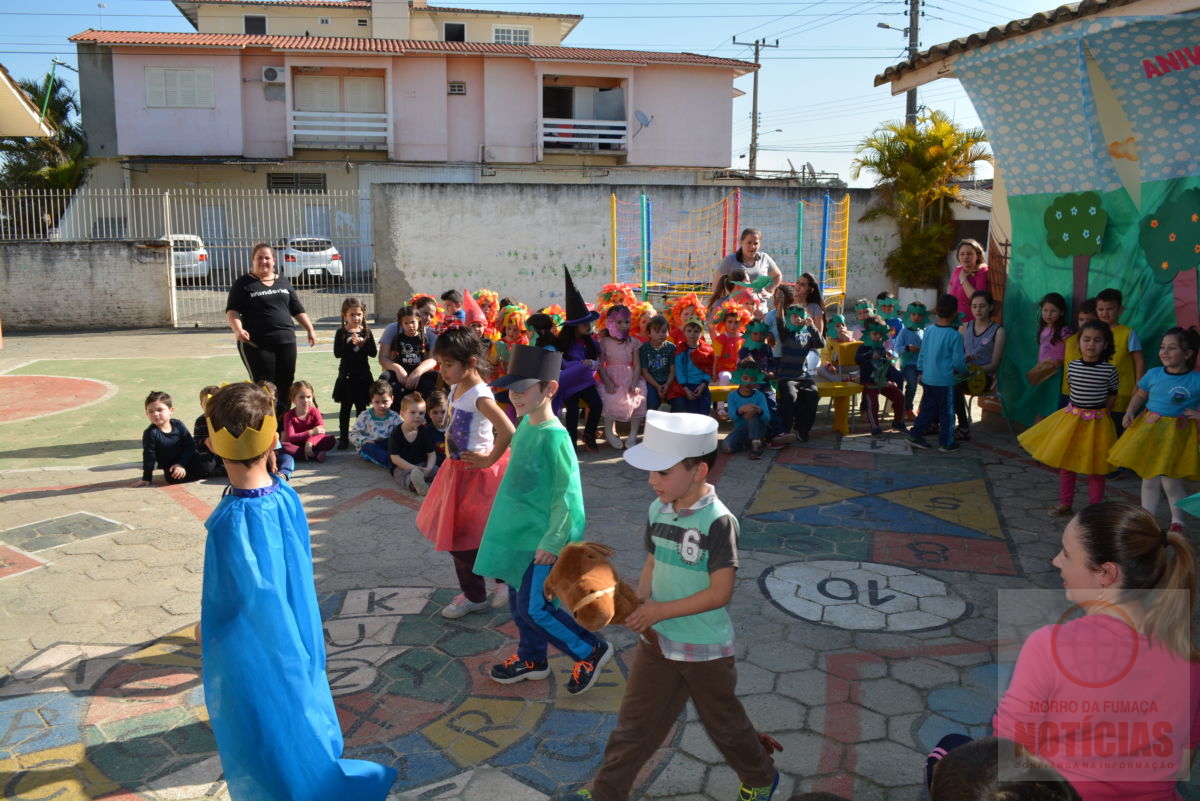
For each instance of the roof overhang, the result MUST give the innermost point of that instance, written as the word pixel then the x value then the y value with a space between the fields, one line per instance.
pixel 938 61
pixel 18 115
pixel 397 47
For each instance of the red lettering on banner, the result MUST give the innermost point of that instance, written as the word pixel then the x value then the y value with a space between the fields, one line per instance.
pixel 1174 61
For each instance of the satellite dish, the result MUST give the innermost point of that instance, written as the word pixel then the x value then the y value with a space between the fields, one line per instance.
pixel 643 121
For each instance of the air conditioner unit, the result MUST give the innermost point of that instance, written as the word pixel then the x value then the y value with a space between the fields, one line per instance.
pixel 274 74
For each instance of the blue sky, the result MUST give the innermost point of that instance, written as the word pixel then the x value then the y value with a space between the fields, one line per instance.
pixel 816 98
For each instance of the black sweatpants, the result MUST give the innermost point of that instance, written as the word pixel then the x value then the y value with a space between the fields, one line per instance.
pixel 274 363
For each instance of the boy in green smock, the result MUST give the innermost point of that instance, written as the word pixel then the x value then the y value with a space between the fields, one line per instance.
pixel 537 510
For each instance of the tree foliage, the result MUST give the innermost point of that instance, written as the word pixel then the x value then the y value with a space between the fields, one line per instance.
pixel 53 162
pixel 917 169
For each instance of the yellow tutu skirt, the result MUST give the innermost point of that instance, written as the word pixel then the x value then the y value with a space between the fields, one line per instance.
pixel 1073 439
pixel 1159 446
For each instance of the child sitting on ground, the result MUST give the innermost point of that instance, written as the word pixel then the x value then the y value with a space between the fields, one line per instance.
pixel 747 408
pixel 166 443
pixel 262 644
pixel 537 511
pixel 279 461
pixel 304 434
pixel 412 451
pixel 686 647
pixel 372 428
pixel 207 464
pixel 437 414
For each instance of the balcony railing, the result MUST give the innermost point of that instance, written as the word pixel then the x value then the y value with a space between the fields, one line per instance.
pixel 340 130
pixel 585 134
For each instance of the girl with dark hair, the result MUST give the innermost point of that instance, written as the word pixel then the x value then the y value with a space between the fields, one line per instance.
pixel 1110 697
pixel 1077 439
pixel 455 512
pixel 1054 327
pixel 1161 445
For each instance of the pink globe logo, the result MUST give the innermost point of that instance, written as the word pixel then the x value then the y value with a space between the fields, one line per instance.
pixel 1103 657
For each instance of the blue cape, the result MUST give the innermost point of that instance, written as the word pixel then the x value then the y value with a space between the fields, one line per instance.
pixel 263 657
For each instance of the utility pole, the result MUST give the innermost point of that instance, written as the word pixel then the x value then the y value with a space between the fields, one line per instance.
pixel 758 45
pixel 914 21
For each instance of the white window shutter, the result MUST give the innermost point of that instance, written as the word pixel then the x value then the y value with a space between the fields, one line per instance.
pixel 155 87
pixel 364 95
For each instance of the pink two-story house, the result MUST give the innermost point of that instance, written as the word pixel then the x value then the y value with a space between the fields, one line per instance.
pixel 269 86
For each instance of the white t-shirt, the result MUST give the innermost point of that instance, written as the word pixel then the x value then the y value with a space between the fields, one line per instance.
pixel 469 428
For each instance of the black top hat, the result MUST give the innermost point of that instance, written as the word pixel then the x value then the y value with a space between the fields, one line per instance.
pixel 577 310
pixel 528 366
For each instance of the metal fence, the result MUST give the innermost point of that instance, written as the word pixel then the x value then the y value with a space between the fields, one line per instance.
pixel 212 232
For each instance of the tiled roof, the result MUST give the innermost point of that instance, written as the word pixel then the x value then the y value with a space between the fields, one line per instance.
pixel 337 44
pixel 447 10
pixel 1045 19
pixel 318 3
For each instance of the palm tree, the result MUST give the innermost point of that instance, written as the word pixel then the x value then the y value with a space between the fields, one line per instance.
pixel 53 162
pixel 918 168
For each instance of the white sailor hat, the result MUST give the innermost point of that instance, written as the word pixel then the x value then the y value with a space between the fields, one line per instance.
pixel 671 438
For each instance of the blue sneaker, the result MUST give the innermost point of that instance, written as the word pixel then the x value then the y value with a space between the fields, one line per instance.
pixel 918 442
pixel 758 793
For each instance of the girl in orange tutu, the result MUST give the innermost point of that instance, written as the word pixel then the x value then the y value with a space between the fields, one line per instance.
pixel 1077 439
pixel 455 511
pixel 1161 445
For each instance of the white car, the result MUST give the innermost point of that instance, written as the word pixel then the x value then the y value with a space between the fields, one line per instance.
pixel 309 258
pixel 188 257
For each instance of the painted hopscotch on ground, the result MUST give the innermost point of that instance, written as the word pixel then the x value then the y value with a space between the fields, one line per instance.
pixel 411 689
pixel 867 525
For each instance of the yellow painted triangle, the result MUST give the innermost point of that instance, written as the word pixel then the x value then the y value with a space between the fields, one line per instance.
pixel 785 488
pixel 179 648
pixel 963 503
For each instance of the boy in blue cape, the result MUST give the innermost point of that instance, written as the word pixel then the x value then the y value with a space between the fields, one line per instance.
pixel 262 644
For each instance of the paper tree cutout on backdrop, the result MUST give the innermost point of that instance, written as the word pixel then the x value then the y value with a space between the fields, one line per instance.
pixel 1170 238
pixel 1075 226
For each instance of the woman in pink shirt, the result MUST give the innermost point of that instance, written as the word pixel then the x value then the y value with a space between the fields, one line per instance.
pixel 1111 698
pixel 970 276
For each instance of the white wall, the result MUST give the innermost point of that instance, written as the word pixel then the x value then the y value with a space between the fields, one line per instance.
pixel 95 285
pixel 515 238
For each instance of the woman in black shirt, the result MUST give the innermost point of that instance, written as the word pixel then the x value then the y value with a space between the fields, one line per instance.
pixel 260 309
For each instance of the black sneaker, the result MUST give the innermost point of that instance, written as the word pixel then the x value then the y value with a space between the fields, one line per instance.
pixel 917 441
pixel 588 670
pixel 514 669
pixel 343 444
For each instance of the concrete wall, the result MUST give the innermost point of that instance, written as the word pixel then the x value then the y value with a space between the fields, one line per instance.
pixel 515 238
pixel 69 286
pixel 96 98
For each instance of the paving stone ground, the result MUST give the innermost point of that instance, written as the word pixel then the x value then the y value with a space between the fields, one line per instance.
pixel 866 603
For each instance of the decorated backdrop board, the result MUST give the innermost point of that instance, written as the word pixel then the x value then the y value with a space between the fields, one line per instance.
pixel 1094 126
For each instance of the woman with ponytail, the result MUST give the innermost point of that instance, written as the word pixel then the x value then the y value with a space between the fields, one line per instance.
pixel 1110 695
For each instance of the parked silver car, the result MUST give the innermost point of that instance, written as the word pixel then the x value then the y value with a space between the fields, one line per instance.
pixel 309 258
pixel 188 257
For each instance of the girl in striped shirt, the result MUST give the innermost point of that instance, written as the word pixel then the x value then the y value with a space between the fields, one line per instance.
pixel 1077 439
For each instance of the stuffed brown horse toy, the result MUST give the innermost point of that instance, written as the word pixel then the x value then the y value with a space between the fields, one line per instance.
pixel 586 583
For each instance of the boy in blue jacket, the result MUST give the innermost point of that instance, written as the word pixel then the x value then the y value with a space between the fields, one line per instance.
pixel 941 362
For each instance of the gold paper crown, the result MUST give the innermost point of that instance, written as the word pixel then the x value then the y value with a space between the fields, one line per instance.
pixel 252 443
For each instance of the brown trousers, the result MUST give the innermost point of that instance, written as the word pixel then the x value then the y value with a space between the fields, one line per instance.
pixel 657 690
